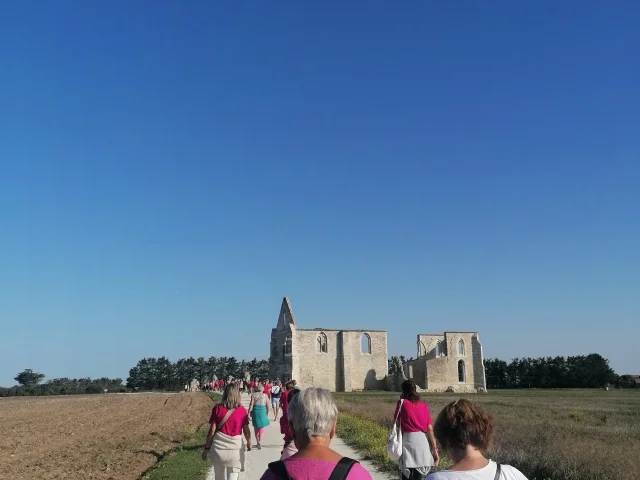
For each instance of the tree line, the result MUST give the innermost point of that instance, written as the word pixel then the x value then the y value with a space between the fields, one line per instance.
pixel 581 371
pixel 30 385
pixel 148 374
pixel 162 374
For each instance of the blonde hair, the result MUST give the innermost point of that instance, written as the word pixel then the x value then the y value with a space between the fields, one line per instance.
pixel 231 396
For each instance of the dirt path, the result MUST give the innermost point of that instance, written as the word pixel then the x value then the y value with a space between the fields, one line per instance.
pixel 258 460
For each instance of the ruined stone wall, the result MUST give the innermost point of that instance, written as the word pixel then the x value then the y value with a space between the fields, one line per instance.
pixel 342 367
pixel 416 370
pixel 364 371
pixel 442 372
pixel 281 364
pixel 480 379
pixel 438 370
pixel 430 341
pixel 317 368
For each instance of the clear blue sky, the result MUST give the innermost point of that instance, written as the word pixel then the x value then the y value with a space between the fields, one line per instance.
pixel 170 170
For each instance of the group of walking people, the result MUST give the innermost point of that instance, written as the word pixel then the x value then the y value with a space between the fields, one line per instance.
pixel 463 431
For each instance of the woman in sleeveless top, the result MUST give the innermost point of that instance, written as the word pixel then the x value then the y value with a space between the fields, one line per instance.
pixel 259 411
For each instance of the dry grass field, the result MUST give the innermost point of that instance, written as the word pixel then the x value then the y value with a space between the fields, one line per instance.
pixel 548 434
pixel 94 436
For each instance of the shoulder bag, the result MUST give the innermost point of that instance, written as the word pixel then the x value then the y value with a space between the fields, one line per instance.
pixel 394 444
pixel 224 419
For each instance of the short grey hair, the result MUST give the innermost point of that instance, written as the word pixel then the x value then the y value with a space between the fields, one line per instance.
pixel 312 413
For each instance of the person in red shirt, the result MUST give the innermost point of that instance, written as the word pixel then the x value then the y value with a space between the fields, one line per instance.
pixel 289 445
pixel 416 425
pixel 229 421
pixel 284 406
pixel 267 388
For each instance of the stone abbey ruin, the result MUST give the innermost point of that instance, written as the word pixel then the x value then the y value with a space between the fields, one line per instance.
pixel 344 360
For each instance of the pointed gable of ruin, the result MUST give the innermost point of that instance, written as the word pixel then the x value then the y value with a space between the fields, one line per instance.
pixel 286 317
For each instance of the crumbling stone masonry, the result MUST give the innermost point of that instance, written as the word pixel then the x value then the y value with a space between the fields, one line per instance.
pixel 451 361
pixel 339 360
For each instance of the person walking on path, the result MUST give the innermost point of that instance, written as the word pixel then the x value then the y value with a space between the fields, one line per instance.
pixel 267 388
pixel 276 390
pixel 259 411
pixel 313 416
pixel 284 405
pixel 229 421
pixel 415 425
pixel 289 449
pixel 465 431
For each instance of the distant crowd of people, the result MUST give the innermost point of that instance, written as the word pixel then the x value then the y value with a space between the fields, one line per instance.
pixel 308 418
pixel 244 386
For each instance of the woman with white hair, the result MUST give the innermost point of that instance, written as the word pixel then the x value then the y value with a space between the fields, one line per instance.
pixel 229 421
pixel 312 419
pixel 259 411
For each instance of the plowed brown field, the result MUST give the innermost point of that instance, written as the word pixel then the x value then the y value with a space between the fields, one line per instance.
pixel 94 436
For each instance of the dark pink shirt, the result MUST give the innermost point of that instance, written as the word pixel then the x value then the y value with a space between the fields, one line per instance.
pixel 308 469
pixel 414 417
pixel 238 419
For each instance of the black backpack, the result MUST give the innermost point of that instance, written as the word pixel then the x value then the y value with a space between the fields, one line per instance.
pixel 340 472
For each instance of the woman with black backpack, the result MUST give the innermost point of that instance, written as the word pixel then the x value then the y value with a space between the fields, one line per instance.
pixel 276 390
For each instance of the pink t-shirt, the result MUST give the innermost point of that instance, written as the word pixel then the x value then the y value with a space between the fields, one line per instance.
pixel 307 469
pixel 238 419
pixel 267 389
pixel 414 417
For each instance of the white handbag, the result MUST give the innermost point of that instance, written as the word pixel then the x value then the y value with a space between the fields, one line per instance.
pixel 394 444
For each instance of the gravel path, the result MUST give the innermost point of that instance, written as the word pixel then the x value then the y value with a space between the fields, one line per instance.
pixel 258 460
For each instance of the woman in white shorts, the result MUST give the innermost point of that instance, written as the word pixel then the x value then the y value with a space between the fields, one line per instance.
pixel 276 390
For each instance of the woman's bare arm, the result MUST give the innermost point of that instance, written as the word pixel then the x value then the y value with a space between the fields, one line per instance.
pixel 247 435
pixel 207 443
pixel 434 445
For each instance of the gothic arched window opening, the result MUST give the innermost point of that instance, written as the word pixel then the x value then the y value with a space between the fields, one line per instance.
pixel 322 343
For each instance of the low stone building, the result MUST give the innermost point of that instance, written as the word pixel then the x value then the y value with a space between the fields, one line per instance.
pixel 448 361
pixel 336 359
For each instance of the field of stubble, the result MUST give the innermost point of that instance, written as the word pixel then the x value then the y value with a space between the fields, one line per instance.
pixel 94 436
pixel 552 434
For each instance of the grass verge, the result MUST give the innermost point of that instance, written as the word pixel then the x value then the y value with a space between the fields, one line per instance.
pixel 370 438
pixel 184 463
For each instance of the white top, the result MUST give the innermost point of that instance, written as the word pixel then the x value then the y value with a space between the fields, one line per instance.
pixel 485 473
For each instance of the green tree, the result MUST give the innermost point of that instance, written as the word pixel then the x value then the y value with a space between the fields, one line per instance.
pixel 29 378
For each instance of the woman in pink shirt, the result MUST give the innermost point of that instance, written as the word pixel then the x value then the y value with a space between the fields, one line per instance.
pixel 415 424
pixel 312 418
pixel 229 421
